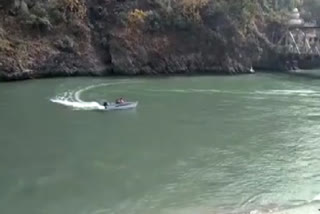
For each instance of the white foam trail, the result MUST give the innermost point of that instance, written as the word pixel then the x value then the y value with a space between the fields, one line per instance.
pixel 309 207
pixel 78 93
pixel 255 212
pixel 289 92
pixel 73 99
pixel 101 211
pixel 314 115
pixel 79 105
pixel 316 198
pixel 190 90
pixel 303 209
pixel 264 92
pixel 206 90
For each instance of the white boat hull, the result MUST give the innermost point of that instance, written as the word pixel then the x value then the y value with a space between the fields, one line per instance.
pixel 122 106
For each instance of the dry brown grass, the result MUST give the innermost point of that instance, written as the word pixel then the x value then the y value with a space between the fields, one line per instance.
pixel 191 8
pixel 76 7
pixel 6 46
pixel 137 17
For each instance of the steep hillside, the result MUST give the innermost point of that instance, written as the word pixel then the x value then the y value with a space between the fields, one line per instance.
pixel 101 37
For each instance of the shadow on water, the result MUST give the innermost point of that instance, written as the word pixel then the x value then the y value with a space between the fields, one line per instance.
pixel 296 75
pixel 315 117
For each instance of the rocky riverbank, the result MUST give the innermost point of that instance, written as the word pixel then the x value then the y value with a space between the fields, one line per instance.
pixel 140 37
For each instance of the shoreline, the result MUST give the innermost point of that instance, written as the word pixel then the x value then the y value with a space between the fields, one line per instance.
pixel 25 76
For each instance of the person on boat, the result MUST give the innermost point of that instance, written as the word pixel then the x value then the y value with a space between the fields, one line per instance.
pixel 119 101
pixel 105 104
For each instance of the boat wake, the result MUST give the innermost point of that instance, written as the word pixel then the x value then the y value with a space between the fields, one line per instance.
pixel 66 101
pixel 73 98
pixel 289 92
pixel 308 207
pixel 302 93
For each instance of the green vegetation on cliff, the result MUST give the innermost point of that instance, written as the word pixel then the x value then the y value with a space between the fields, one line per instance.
pixel 78 37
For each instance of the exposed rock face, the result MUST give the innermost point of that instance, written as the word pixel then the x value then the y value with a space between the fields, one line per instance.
pixel 102 37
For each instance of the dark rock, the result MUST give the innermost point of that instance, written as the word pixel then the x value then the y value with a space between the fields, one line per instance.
pixel 104 42
pixel 69 65
pixel 6 4
pixel 31 3
pixel 66 44
pixel 24 10
pixel 2 32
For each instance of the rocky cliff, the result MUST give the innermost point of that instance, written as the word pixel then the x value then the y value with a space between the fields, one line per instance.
pixel 47 38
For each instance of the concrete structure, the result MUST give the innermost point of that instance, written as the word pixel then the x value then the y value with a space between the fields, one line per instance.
pixel 300 38
pixel 295 19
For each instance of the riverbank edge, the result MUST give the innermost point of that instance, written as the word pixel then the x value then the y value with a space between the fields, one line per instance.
pixel 32 75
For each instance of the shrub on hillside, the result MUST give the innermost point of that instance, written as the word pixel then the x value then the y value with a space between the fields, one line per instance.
pixel 137 17
pixel 5 45
pixel 73 8
pixel 65 44
pixel 39 10
pixel 312 7
pixel 39 23
pixel 79 30
pixel 180 14
pixel 191 8
pixel 123 19
pixel 56 16
pixel 153 21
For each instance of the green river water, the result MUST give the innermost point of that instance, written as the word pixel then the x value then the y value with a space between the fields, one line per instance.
pixel 194 145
